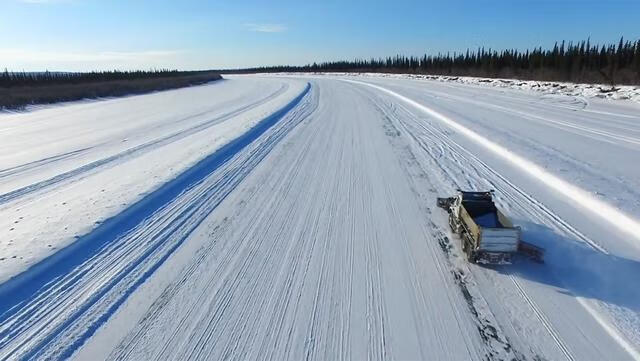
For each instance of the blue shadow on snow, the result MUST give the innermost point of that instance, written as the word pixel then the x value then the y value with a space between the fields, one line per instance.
pixel 26 285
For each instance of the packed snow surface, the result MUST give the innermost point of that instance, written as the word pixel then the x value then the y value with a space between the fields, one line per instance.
pixel 84 163
pixel 294 216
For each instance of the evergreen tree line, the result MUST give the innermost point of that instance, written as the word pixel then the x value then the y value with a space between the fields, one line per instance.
pixel 16 79
pixel 567 61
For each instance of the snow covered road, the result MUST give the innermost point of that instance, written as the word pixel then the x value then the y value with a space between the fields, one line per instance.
pixel 84 163
pixel 294 217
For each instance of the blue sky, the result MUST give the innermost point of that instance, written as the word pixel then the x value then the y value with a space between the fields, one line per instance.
pixel 78 35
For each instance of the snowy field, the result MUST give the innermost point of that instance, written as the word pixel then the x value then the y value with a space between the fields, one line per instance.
pixel 293 217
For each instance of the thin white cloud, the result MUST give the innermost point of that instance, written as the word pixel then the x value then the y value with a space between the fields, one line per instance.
pixel 53 56
pixel 266 28
pixel 43 1
pixel 29 59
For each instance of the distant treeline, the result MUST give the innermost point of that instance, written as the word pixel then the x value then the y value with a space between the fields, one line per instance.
pixel 18 90
pixel 15 79
pixel 574 62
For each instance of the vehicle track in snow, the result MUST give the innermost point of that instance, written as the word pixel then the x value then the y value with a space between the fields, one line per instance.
pixel 427 145
pixel 458 168
pixel 561 344
pixel 621 135
pixel 320 254
pixel 574 119
pixel 50 310
pixel 313 236
pixel 88 169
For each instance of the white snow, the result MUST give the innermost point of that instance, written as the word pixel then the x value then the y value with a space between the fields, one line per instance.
pixel 623 222
pixel 64 170
pixel 601 91
pixel 261 218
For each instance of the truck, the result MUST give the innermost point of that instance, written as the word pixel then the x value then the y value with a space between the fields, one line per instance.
pixel 486 234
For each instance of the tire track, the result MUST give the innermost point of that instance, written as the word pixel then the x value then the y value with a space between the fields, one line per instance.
pixel 322 270
pixel 437 146
pixel 84 171
pixel 547 325
pixel 62 309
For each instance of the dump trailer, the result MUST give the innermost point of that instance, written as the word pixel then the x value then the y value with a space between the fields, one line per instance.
pixel 487 235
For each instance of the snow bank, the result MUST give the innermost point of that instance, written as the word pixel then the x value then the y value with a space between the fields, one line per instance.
pixel 625 92
pixel 602 91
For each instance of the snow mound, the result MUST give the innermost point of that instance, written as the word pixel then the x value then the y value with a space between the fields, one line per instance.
pixel 602 91
pixel 622 92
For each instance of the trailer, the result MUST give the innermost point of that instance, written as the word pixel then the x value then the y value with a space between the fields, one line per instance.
pixel 486 234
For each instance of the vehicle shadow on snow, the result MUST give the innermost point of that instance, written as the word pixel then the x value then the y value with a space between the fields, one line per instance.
pixel 575 268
